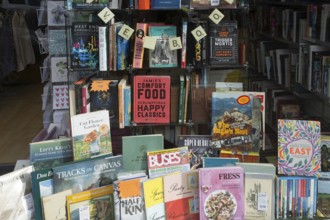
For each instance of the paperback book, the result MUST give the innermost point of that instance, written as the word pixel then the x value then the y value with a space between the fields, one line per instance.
pixel 153 191
pixel 54 205
pixel 219 162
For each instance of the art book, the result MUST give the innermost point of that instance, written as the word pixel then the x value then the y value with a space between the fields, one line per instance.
pixel 153 191
pixel 87 174
pixel 91 135
pixel 299 147
pixel 91 204
pixel 168 161
pixel 135 150
pixel 54 206
pixel 151 103
pixel 59 69
pixel 221 193
pixel 181 196
pixel 50 153
pixel 84 46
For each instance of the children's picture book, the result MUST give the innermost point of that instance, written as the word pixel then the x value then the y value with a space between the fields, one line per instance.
pixel 151 103
pixel 54 206
pixel 91 204
pixel 56 13
pixel 84 46
pixel 91 135
pixel 221 193
pixel 162 55
pixel 60 97
pixel 87 174
pixel 219 162
pixel 59 71
pixel 44 154
pixel 299 147
pixel 168 161
pixel 153 192
pixel 135 150
pixel 57 42
pixel 181 195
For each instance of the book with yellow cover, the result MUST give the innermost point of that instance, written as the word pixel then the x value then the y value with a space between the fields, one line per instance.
pixel 153 190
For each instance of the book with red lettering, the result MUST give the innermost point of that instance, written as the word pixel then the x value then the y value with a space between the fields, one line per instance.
pixel 221 193
pixel 299 147
pixel 151 99
pixel 168 161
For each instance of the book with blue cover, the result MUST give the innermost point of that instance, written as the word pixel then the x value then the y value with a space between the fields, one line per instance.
pixel 165 4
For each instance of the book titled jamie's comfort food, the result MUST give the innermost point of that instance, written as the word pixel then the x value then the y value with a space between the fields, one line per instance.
pixel 221 193
pixel 299 147
pixel 151 99
pixel 91 135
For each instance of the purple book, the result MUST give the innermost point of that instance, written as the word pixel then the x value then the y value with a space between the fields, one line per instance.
pixel 221 193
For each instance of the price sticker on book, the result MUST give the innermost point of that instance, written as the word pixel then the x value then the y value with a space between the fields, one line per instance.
pixel 262 201
pixel 106 15
pixel 149 42
pixel 126 32
pixel 175 43
pixel 199 33
pixel 84 213
pixel 216 16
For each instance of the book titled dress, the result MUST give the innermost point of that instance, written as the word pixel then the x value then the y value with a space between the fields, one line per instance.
pixel 151 103
pixel 299 147
pixel 221 193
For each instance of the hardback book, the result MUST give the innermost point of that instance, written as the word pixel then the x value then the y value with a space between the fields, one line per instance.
pixel 57 42
pixel 219 162
pixel 199 146
pixel 181 195
pixel 91 135
pixel 184 43
pixel 223 43
pixel 162 4
pixel 93 204
pixel 228 86
pixel 262 168
pixel 242 156
pixel 181 99
pixel 168 161
pixel 162 56
pixel 151 103
pixel 59 71
pixel 87 174
pixel 153 192
pixel 54 206
pixel 325 153
pixel 140 33
pixel 60 96
pixel 221 187
pixel 135 150
pixel 50 153
pixel 299 147
pixel 85 46
pixel 75 92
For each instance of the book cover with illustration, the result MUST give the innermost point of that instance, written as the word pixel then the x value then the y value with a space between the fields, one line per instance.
pixel 59 69
pixel 135 150
pixel 92 204
pixel 153 192
pixel 88 174
pixel 50 153
pixel 168 161
pixel 54 206
pixel 91 135
pixel 299 147
pixel 85 46
pixel 181 196
pixel 151 99
pixel 221 193
pixel 162 55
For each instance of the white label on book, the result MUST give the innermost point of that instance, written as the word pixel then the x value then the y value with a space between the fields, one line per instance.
pixel 103 49
pixel 215 2
pixel 175 43
pixel 126 32
pixel 198 33
pixel 149 42
pixel 229 1
pixel 262 201
pixel 106 15
pixel 216 16
pixel 84 213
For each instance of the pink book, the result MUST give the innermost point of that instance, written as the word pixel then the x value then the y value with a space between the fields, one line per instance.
pixel 141 31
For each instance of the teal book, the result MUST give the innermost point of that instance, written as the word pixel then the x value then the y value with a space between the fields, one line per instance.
pixel 122 49
pixel 50 153
pixel 87 174
pixel 127 106
pixel 135 150
pixel 219 162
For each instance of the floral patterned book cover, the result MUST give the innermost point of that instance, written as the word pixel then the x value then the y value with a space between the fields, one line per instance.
pixel 299 147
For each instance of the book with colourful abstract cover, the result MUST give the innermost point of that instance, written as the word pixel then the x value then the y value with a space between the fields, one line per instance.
pixel 168 161
pixel 299 147
pixel 221 193
pixel 181 196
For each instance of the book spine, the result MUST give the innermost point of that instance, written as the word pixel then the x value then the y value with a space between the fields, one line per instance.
pixel 181 99
pixel 102 49
pixel 121 105
pixel 144 4
pixel 84 99
pixel 141 30
pixel 186 99
pixel 184 44
pixel 127 106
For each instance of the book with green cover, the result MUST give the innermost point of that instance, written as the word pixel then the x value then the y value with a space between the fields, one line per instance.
pixel 135 150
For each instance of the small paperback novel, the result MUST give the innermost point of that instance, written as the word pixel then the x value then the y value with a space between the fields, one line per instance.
pixel 153 191
pixel 88 174
pixel 162 55
pixel 221 193
pixel 91 204
pixel 135 150
pixel 54 206
pixel 151 103
pixel 181 195
pixel 89 4
pixel 299 147
pixel 199 146
pixel 85 46
pixel 50 153
pixel 168 161
pixel 219 162
pixel 91 135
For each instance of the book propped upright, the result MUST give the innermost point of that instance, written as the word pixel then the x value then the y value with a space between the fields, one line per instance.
pixel 140 33
pixel 153 190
